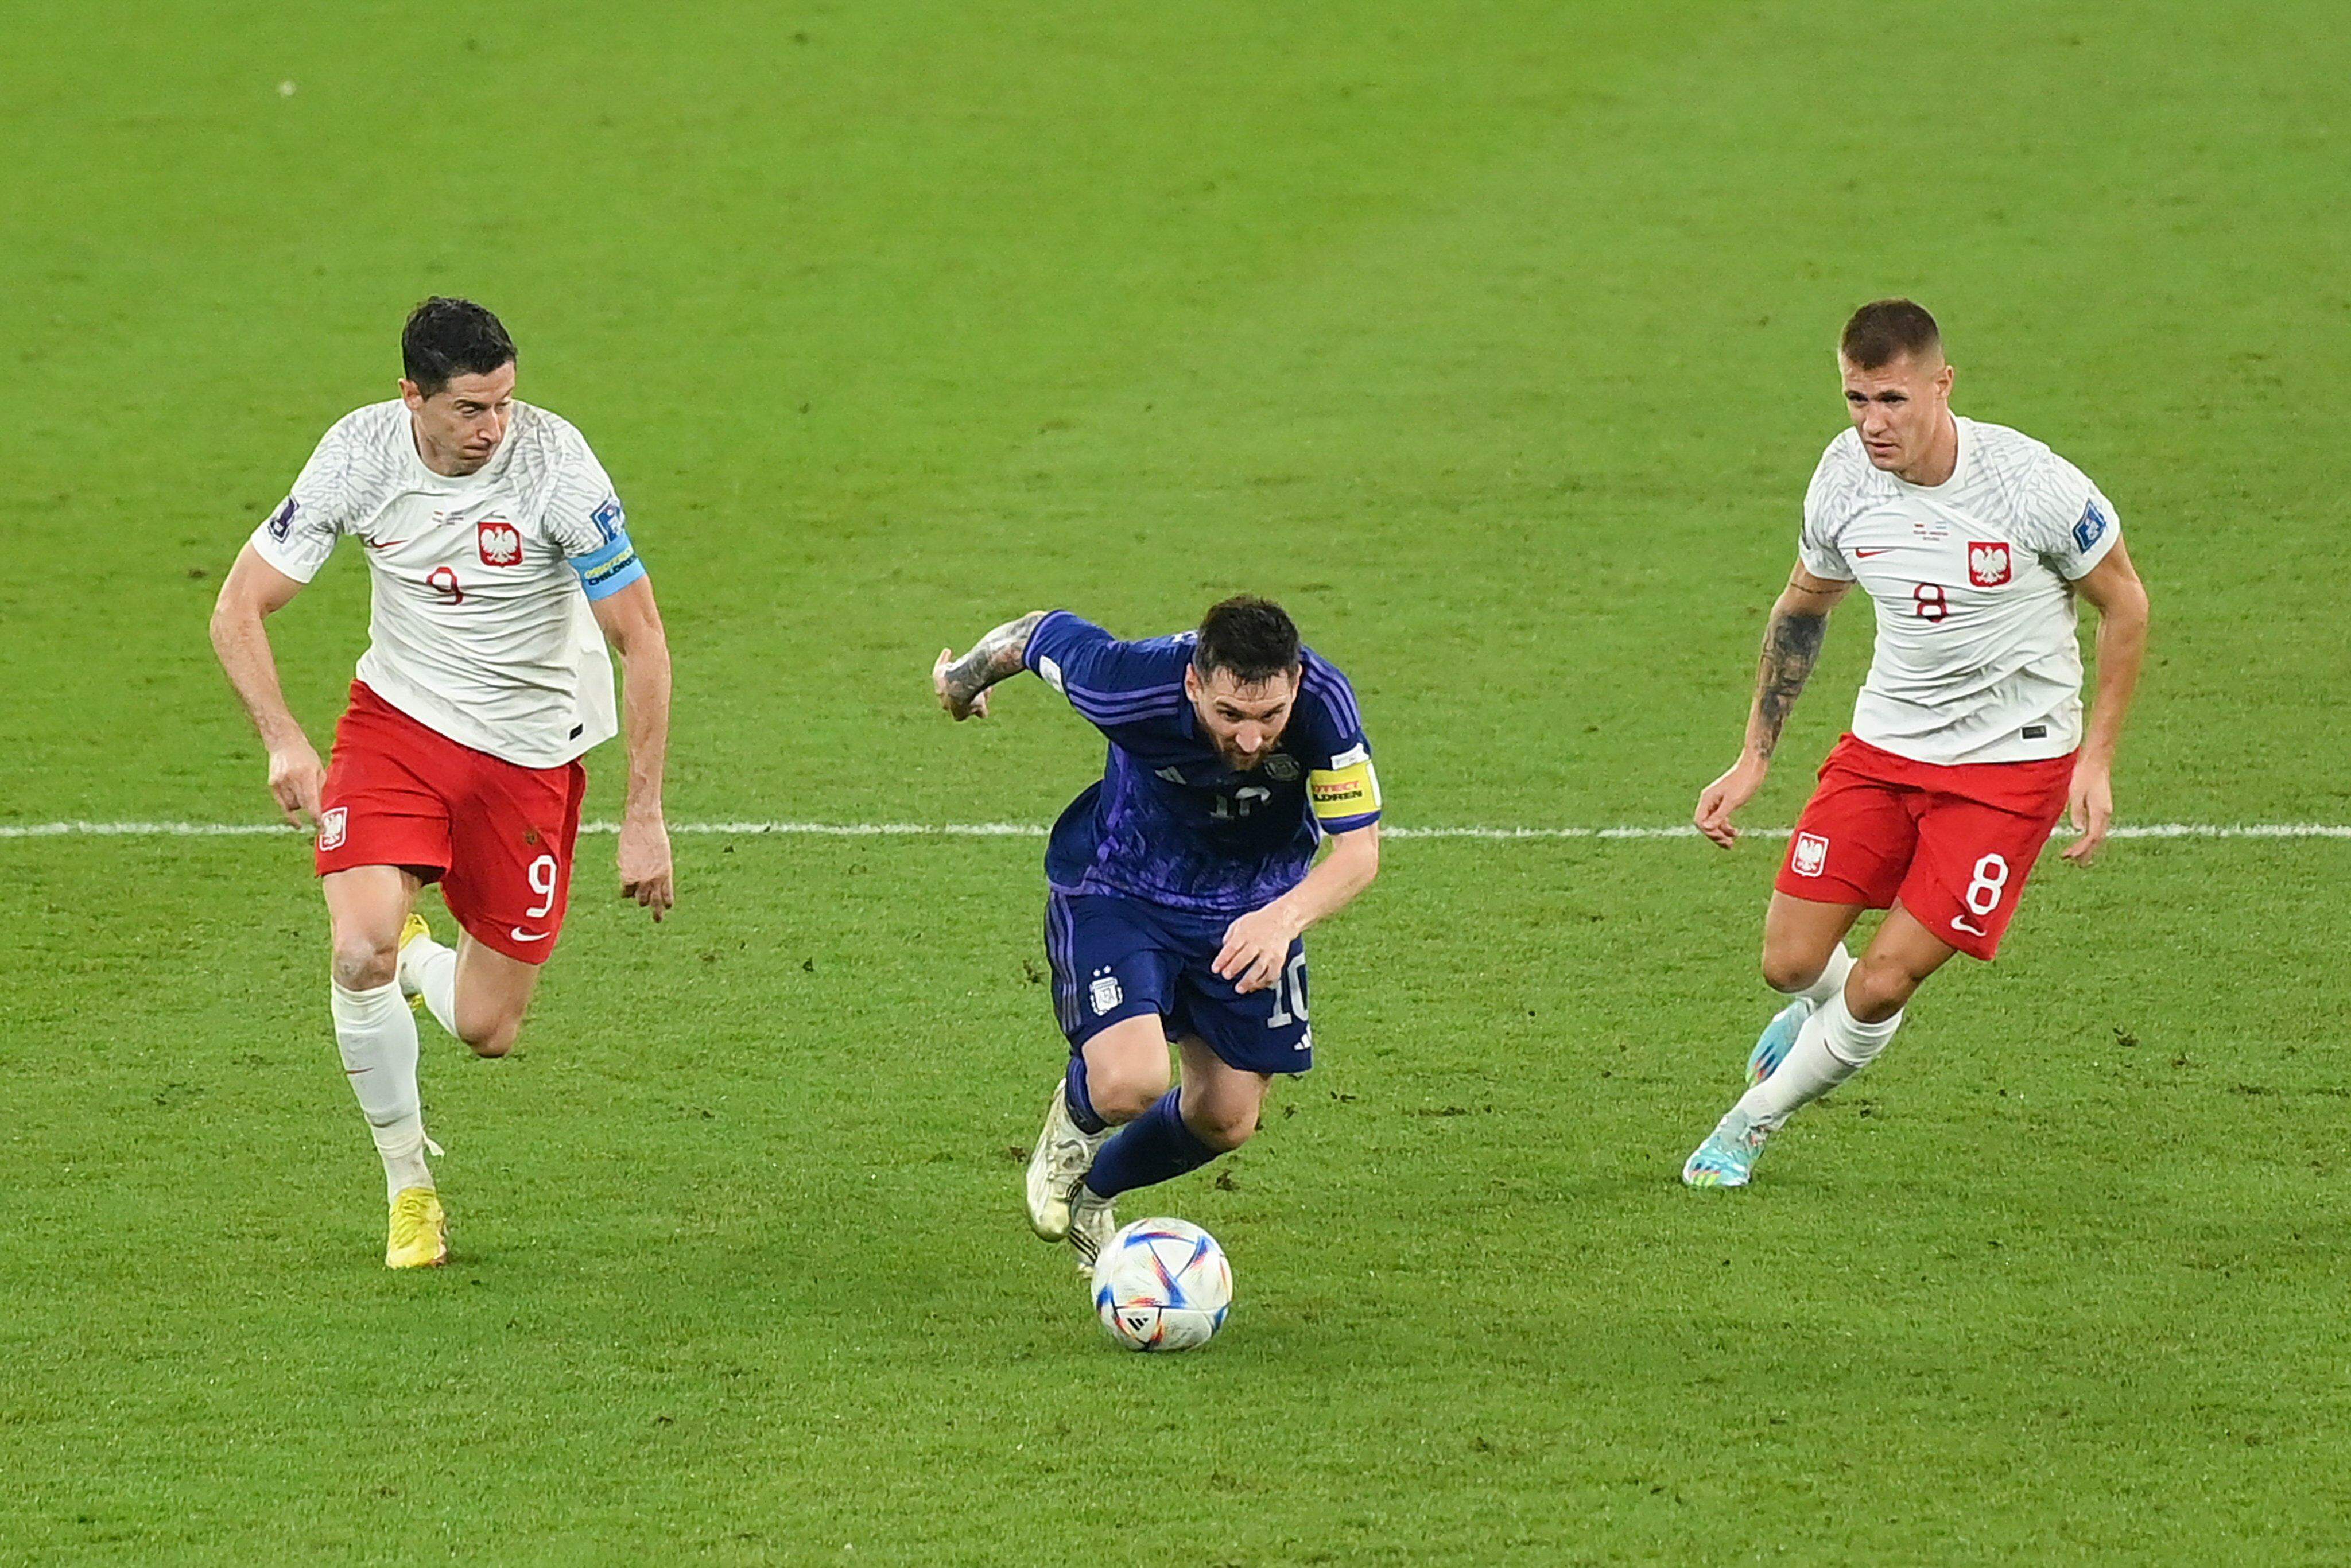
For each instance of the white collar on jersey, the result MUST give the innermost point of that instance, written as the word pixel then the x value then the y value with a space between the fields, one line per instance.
pixel 1967 440
pixel 423 479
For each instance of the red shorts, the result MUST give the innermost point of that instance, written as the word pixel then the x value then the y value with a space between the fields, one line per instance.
pixel 498 836
pixel 1953 844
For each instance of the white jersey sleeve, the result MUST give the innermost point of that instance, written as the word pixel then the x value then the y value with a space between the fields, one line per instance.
pixel 584 519
pixel 2067 521
pixel 298 538
pixel 1816 544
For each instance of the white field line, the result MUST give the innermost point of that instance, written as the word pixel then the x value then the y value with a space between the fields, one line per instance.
pixel 88 830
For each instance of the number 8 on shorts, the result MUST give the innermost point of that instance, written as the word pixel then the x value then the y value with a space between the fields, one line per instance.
pixel 1990 881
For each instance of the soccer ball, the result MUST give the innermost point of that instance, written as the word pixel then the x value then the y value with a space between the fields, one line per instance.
pixel 1163 1284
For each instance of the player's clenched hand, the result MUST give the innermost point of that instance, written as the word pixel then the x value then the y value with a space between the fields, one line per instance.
pixel 1718 800
pixel 646 873
pixel 296 778
pixel 960 704
pixel 1256 946
pixel 2090 807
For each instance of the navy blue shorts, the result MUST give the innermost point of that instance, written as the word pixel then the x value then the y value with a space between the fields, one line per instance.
pixel 1116 959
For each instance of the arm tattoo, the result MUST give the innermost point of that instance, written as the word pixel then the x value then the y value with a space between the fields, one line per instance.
pixel 1792 646
pixel 995 657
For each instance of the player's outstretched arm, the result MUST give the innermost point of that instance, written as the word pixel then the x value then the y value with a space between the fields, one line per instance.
pixel 2111 585
pixel 631 622
pixel 962 684
pixel 256 590
pixel 1258 942
pixel 1799 625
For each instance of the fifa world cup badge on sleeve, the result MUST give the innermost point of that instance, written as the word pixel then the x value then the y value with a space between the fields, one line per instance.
pixel 2091 529
pixel 1811 854
pixel 609 520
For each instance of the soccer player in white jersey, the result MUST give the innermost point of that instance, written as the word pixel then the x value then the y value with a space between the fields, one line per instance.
pixel 1968 744
pixel 500 564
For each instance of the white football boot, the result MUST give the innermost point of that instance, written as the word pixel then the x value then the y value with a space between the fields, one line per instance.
pixel 1064 1153
pixel 1091 1225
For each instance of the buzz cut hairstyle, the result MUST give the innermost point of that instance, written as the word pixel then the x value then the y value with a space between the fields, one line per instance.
pixel 1885 331
pixel 448 338
pixel 1253 639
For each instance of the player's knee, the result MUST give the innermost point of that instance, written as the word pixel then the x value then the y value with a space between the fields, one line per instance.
pixel 1125 1090
pixel 1877 990
pixel 1223 1128
pixel 493 1038
pixel 1788 971
pixel 363 962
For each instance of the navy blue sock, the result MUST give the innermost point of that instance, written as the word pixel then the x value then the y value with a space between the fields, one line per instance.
pixel 1080 1104
pixel 1154 1147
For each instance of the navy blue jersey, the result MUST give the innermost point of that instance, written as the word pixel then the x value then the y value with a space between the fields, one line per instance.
pixel 1170 822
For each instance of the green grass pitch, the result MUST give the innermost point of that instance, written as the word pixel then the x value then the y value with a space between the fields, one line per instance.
pixel 1493 338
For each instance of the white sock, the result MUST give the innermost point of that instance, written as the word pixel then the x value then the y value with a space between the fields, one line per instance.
pixel 378 1037
pixel 429 969
pixel 1832 980
pixel 1834 1046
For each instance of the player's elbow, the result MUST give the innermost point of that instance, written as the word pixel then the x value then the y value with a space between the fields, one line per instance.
pixel 241 605
pixel 644 653
pixel 235 617
pixel 2120 599
pixel 633 624
pixel 2130 608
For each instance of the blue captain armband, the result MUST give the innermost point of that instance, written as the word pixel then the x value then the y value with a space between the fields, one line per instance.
pixel 610 568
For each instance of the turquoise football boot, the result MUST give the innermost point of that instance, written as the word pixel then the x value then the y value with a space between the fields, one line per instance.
pixel 1726 1158
pixel 1778 1039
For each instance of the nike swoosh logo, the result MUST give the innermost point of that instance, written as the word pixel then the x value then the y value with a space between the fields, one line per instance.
pixel 519 934
pixel 1865 554
pixel 1958 922
pixel 385 545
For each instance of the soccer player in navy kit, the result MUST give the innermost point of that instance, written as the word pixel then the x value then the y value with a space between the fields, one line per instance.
pixel 1180 886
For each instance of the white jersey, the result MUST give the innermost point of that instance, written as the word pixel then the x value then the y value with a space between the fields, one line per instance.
pixel 479 627
pixel 1976 658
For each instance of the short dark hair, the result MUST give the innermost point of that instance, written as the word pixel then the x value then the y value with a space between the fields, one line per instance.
pixel 1253 638
pixel 1885 331
pixel 447 337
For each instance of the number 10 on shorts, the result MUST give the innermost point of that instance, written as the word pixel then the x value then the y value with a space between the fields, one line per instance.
pixel 1289 1008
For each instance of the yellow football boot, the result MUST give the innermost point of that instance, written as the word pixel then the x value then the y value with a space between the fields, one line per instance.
pixel 419 1232
pixel 410 930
